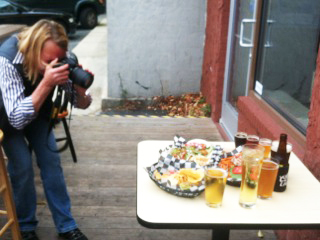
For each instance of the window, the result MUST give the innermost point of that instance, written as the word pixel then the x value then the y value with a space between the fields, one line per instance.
pixel 5 7
pixel 286 60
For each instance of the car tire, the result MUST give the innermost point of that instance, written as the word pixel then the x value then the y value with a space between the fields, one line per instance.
pixel 88 18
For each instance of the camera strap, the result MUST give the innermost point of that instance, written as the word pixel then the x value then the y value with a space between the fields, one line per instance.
pixel 59 107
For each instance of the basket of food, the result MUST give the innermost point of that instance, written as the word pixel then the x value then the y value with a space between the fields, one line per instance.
pixel 180 167
pixel 186 182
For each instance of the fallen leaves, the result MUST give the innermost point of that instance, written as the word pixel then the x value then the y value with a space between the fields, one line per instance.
pixel 190 104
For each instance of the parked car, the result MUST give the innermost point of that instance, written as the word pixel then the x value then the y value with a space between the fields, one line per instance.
pixel 13 13
pixel 84 11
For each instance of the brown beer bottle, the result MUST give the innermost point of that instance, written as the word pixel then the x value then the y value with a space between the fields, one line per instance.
pixel 283 159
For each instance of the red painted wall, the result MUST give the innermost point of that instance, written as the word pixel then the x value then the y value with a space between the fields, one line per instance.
pixel 215 54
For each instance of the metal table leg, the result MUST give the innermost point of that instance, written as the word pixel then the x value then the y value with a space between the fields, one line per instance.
pixel 220 234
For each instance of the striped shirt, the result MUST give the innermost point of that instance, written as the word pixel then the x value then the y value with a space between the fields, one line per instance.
pixel 19 108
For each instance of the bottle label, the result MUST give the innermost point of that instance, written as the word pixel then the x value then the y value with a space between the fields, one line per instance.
pixel 282 179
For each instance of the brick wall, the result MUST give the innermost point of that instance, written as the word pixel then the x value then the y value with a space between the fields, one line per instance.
pixel 252 119
pixel 215 54
pixel 312 154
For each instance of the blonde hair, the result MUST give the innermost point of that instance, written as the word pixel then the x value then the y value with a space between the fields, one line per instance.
pixel 31 41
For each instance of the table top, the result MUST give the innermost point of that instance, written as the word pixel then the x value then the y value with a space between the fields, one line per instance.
pixel 296 208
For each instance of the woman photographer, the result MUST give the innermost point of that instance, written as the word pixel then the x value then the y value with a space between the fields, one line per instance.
pixel 27 82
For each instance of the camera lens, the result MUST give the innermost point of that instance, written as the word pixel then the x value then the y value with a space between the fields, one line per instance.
pixel 81 77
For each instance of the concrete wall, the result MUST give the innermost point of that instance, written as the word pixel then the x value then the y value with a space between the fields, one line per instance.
pixel 154 47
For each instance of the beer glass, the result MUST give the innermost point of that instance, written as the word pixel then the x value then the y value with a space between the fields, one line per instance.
pixel 268 176
pixel 252 157
pixel 240 138
pixel 215 182
pixel 274 149
pixel 252 139
pixel 266 143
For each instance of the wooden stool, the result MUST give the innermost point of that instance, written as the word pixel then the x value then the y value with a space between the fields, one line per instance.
pixel 6 192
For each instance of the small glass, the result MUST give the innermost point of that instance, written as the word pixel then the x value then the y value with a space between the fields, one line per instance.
pixel 266 143
pixel 252 139
pixel 240 138
pixel 215 183
pixel 274 148
pixel 252 157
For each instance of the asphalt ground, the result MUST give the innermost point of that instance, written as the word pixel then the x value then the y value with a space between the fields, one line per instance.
pixel 91 49
pixel 75 39
pixel 81 33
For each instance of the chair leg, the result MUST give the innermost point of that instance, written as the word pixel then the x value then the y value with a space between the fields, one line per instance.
pixel 69 139
pixel 6 192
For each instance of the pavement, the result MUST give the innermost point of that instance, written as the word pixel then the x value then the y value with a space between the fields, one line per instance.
pixel 92 54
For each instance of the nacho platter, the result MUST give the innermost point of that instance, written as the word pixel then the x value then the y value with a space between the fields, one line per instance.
pixel 189 156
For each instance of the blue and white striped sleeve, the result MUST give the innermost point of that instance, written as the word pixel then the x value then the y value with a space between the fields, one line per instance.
pixel 19 108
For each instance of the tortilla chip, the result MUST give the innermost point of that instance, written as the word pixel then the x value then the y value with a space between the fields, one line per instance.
pixel 191 175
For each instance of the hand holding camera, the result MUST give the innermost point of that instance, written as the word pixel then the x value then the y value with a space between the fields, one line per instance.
pixel 76 74
pixel 81 79
pixel 84 98
pixel 56 76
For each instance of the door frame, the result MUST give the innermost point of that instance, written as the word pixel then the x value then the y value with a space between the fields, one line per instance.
pixel 229 115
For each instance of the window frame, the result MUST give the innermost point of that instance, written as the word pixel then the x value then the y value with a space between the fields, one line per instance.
pixel 272 112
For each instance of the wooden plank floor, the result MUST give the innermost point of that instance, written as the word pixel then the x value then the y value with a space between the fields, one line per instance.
pixel 102 185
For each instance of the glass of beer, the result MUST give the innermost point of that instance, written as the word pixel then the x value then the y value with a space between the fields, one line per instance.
pixel 266 143
pixel 240 138
pixel 268 178
pixel 252 139
pixel 215 182
pixel 274 148
pixel 252 158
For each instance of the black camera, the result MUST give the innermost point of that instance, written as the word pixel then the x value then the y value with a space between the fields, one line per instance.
pixel 77 75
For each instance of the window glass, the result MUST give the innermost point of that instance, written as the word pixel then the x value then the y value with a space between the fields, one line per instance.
pixel 238 76
pixel 286 62
pixel 6 7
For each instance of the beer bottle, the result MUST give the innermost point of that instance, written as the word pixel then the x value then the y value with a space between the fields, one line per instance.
pixel 283 159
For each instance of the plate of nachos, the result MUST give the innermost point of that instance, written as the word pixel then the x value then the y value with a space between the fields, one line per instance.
pixel 180 167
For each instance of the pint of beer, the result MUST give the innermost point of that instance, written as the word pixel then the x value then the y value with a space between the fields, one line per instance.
pixel 215 182
pixel 252 156
pixel 267 179
pixel 266 143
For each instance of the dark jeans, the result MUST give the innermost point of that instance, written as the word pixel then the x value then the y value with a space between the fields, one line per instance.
pixel 21 174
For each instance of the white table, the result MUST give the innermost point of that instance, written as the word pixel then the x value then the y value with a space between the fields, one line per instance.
pixel 296 208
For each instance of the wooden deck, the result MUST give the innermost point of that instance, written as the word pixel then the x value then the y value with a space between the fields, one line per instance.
pixel 102 185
